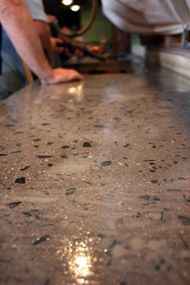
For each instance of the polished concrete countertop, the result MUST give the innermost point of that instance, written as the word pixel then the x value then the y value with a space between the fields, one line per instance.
pixel 95 182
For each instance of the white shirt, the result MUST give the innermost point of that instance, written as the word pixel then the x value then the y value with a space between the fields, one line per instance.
pixel 36 9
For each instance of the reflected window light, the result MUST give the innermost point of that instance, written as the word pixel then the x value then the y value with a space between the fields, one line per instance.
pixel 80 261
pixel 77 92
pixel 81 266
pixel 75 8
pixel 67 2
pixel 72 90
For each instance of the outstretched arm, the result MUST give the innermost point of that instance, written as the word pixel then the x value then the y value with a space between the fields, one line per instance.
pixel 17 22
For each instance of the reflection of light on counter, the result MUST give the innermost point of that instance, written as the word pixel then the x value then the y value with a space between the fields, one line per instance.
pixel 81 266
pixel 80 261
pixel 72 90
pixel 77 92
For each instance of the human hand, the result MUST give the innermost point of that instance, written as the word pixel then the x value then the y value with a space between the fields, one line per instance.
pixel 57 45
pixel 61 75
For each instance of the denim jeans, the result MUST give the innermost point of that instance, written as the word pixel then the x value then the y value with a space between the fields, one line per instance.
pixel 12 76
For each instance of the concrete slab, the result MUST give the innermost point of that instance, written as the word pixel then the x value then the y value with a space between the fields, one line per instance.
pixel 95 182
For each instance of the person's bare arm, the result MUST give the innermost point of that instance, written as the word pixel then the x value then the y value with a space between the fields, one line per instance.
pixel 17 21
pixel 43 31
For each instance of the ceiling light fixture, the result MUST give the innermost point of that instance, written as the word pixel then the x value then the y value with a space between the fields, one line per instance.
pixel 75 8
pixel 67 2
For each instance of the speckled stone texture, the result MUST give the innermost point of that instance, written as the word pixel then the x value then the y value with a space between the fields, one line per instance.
pixel 95 182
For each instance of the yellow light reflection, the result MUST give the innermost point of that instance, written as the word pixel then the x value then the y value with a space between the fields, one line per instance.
pixel 80 261
pixel 77 92
pixel 81 267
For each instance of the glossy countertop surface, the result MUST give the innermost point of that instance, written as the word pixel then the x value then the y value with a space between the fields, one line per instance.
pixel 95 182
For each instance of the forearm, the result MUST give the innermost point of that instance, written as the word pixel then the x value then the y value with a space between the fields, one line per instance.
pixel 44 34
pixel 14 16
